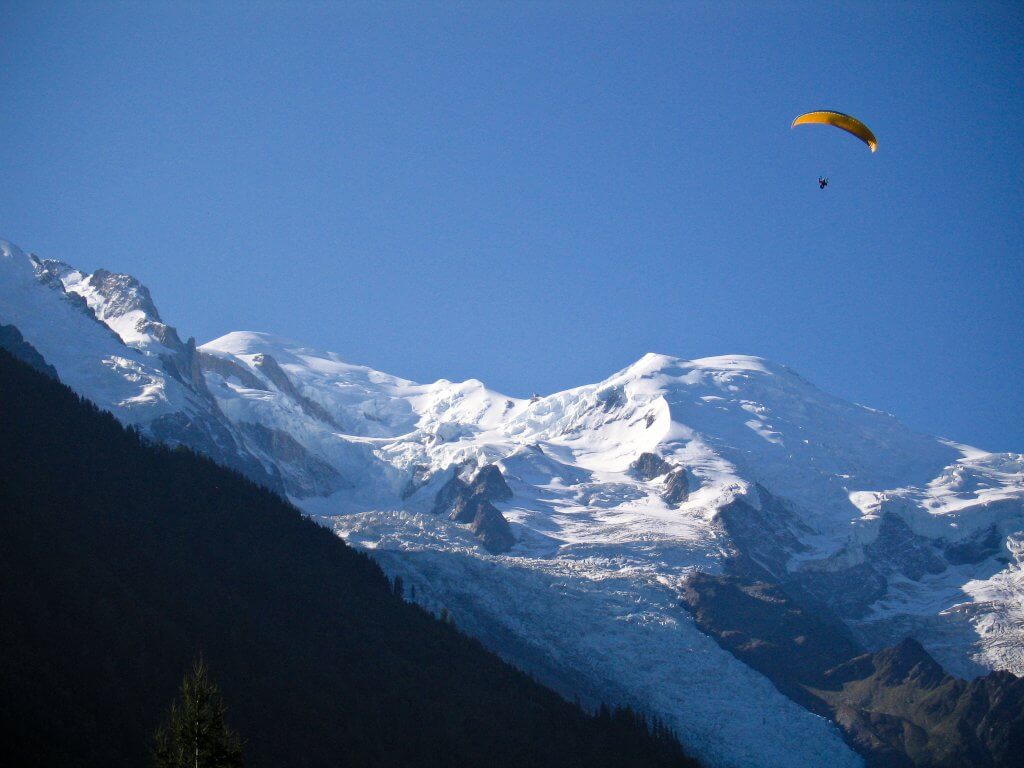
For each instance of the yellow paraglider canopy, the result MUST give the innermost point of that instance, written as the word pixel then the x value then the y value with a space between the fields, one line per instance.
pixel 839 120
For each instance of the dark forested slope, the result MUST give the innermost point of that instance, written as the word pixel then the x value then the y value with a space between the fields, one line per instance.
pixel 121 561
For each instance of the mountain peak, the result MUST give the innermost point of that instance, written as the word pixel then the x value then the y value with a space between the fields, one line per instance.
pixel 16 266
pixel 10 250
pixel 249 342
pixel 739 362
pixel 656 363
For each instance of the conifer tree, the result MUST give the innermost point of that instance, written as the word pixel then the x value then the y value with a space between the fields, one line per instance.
pixel 195 734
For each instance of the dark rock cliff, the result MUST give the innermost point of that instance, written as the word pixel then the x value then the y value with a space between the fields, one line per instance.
pixel 650 466
pixel 469 503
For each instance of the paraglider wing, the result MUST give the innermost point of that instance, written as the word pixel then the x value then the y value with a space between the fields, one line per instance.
pixel 839 120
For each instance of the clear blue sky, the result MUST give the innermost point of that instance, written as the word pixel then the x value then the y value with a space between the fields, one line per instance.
pixel 536 194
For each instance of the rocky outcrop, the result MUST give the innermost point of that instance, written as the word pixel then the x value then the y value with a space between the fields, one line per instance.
pixel 896 706
pixel 12 341
pixel 123 294
pixel 420 476
pixel 449 495
pixel 980 547
pixel 491 527
pixel 464 508
pixel 125 308
pixel 111 296
pixel 758 623
pixel 50 273
pixel 650 466
pixel 270 368
pixel 303 474
pixel 765 536
pixel 490 484
pixel 183 364
pixel 677 487
pixel 469 503
pixel 896 552
pixel 897 549
pixel 229 369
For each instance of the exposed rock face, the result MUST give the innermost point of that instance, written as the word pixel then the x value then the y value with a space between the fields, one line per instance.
pixel 765 537
pixel 311 476
pixel 121 303
pixel 450 494
pixel 50 272
pixel 677 488
pixel 898 550
pixel 269 367
pixel 420 475
pixel 464 509
pixel 124 294
pixel 183 363
pixel 490 484
pixel 229 369
pixel 124 306
pixel 12 340
pixel 976 549
pixel 491 527
pixel 848 591
pixel 758 623
pixel 470 504
pixel 896 706
pixel 650 466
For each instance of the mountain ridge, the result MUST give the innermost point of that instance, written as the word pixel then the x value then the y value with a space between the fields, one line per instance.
pixel 898 533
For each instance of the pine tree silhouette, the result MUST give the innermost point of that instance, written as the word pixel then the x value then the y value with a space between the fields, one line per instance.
pixel 195 734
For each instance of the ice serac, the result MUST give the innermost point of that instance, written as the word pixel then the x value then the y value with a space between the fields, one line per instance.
pixel 611 497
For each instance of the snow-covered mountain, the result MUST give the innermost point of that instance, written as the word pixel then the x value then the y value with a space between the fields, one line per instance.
pixel 570 557
pixel 106 340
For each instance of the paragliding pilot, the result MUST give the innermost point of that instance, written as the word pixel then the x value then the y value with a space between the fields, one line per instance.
pixel 822 182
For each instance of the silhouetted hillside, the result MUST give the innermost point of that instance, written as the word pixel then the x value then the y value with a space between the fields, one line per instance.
pixel 122 560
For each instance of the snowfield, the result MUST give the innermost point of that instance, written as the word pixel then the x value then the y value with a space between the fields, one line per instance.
pixel 902 533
